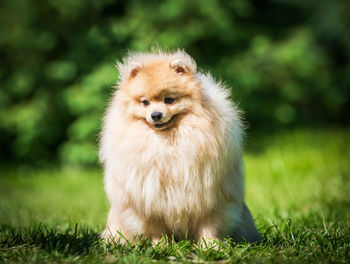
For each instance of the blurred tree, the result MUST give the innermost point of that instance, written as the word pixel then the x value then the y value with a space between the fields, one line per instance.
pixel 287 62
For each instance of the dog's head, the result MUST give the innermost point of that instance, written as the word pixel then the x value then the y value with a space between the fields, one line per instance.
pixel 158 89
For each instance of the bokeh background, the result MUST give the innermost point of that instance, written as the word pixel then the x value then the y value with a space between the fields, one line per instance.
pixel 287 62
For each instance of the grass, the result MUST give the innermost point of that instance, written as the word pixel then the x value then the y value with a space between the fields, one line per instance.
pixel 297 187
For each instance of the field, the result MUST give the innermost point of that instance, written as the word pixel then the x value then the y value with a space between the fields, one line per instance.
pixel 297 186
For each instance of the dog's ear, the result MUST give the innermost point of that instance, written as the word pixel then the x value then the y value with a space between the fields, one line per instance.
pixel 134 69
pixel 179 66
pixel 183 63
pixel 128 69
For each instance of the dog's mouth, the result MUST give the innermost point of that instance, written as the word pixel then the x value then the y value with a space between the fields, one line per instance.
pixel 165 124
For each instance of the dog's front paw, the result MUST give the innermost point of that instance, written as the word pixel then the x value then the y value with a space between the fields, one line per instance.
pixel 208 243
pixel 208 238
pixel 111 237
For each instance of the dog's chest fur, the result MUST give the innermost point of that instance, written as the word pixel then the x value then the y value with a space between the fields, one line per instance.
pixel 171 178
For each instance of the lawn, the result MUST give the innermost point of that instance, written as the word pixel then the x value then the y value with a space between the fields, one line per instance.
pixel 297 186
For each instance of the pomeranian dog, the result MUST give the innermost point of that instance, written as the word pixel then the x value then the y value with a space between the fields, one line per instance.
pixel 171 147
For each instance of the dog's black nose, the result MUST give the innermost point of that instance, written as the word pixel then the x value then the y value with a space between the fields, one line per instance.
pixel 156 116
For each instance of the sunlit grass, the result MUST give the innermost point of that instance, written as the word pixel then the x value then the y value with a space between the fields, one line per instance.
pixel 298 172
pixel 297 187
pixel 59 197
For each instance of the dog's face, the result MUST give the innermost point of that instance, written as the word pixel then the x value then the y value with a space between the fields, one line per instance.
pixel 160 111
pixel 160 93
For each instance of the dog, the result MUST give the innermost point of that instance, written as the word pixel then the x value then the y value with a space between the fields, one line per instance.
pixel 171 146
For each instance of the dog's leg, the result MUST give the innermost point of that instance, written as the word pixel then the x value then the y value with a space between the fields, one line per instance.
pixel 207 236
pixel 207 232
pixel 114 231
pixel 155 229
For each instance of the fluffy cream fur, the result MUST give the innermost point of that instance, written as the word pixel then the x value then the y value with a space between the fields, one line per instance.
pixel 182 174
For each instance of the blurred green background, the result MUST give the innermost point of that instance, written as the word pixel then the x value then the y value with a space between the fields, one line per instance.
pixel 287 62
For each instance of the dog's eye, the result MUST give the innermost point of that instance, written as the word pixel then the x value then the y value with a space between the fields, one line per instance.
pixel 145 102
pixel 169 100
